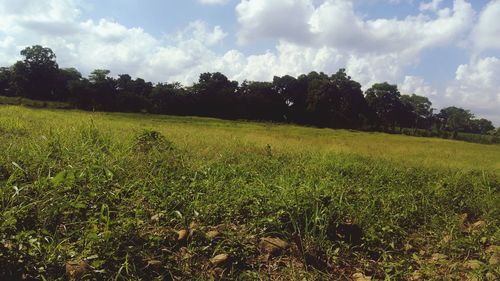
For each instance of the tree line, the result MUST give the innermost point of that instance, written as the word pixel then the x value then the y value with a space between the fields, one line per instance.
pixel 318 99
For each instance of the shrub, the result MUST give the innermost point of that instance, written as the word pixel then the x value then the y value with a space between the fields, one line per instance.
pixel 150 139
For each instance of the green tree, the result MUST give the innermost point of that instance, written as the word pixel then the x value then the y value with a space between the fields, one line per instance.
pixel 481 126
pixel 102 90
pixel 36 76
pixel 294 93
pixel 335 101
pixel 384 99
pixel 455 119
pixel 216 94
pixel 99 76
pixel 421 110
pixel 260 101
pixel 5 80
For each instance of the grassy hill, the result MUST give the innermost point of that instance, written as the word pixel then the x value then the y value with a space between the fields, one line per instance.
pixel 140 197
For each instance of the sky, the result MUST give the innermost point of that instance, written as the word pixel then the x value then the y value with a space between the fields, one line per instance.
pixel 447 50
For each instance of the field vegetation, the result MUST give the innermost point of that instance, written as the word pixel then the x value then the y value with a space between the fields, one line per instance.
pixel 115 196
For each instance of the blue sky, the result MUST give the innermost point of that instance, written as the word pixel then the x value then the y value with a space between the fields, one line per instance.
pixel 448 50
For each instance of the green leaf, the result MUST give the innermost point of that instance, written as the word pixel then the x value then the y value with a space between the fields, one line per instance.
pixel 64 178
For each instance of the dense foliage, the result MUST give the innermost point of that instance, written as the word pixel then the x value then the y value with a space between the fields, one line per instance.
pixel 334 101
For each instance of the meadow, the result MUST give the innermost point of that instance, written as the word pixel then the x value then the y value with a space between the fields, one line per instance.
pixel 113 196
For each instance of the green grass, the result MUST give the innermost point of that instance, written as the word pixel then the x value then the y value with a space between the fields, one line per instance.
pixel 4 100
pixel 113 189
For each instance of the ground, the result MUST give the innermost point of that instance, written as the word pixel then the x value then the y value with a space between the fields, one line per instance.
pixel 111 196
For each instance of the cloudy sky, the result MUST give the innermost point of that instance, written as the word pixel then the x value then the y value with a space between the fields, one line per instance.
pixel 448 50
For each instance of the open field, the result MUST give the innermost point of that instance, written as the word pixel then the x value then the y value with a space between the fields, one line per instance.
pixel 106 196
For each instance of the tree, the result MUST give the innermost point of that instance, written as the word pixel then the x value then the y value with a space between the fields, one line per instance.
pixel 170 98
pixel 352 109
pixel 455 119
pixel 421 110
pixel 335 101
pixel 5 80
pixel 64 78
pixel 384 99
pixel 294 93
pixel 103 90
pixel 215 84
pixel 99 76
pixel 36 76
pixel 481 126
pixel 216 94
pixel 260 101
pixel 124 82
pixel 132 95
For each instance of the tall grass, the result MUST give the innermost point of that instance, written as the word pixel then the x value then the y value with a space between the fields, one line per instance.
pixel 112 190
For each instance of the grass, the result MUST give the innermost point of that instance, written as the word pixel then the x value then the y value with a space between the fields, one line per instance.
pixel 34 103
pixel 105 196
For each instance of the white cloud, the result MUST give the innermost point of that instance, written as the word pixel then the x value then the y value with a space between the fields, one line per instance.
pixel 433 5
pixel 417 85
pixel 310 37
pixel 477 87
pixel 334 23
pixel 200 31
pixel 274 19
pixel 486 34
pixel 105 44
pixel 371 50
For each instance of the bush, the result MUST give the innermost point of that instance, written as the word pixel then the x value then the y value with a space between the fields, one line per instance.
pixel 149 139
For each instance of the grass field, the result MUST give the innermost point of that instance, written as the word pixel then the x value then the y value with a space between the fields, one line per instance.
pixel 145 197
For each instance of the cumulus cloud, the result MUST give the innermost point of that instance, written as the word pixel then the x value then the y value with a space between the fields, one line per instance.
pixel 417 85
pixel 274 19
pixel 486 34
pixel 476 86
pixel 335 23
pixel 89 44
pixel 433 5
pixel 309 37
pixel 371 50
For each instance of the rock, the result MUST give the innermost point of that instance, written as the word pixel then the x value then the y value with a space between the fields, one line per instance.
pixel 272 246
pixel 473 264
pixel 182 235
pixel 219 259
pixel 76 269
pixel 212 234
pixel 361 277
